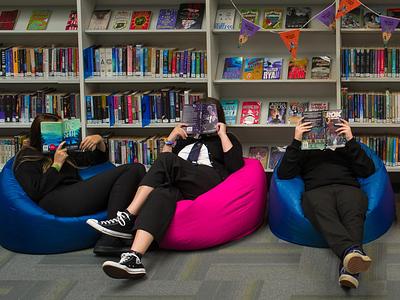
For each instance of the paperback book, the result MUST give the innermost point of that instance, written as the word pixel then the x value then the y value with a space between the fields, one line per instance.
pixel 253 68
pixel 8 19
pixel 233 68
pixel 201 118
pixel 167 18
pixel 250 14
pixel 250 112
pixel 260 153
pixel 277 113
pixel 318 105
pixel 225 19
pixel 140 20
pixel 321 67
pixel 230 108
pixel 100 19
pixel 275 155
pixel 272 68
pixel 353 19
pixel 190 16
pixel 273 18
pixel 323 133
pixel 39 20
pixel 297 68
pixel 295 111
pixel 54 133
pixel 120 20
pixel 297 17
pixel 371 20
pixel 72 23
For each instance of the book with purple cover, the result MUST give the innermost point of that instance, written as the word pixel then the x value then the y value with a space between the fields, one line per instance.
pixel 167 18
pixel 201 118
pixel 233 68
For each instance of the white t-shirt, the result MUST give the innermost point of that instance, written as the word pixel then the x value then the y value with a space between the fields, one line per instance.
pixel 204 156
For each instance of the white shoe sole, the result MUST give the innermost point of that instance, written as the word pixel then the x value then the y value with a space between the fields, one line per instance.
pixel 356 263
pixel 348 281
pixel 115 270
pixel 97 226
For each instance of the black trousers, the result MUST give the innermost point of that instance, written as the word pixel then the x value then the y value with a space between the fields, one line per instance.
pixel 173 179
pixel 338 212
pixel 113 189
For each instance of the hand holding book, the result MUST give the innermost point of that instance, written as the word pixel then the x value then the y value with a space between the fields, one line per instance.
pixel 178 132
pixel 344 128
pixel 91 142
pixel 301 128
pixel 60 156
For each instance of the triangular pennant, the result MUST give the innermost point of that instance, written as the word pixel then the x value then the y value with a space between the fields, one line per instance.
pixel 346 6
pixel 388 25
pixel 247 29
pixel 327 16
pixel 291 40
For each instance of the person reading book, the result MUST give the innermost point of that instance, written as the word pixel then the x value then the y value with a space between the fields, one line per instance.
pixel 53 181
pixel 186 168
pixel 333 201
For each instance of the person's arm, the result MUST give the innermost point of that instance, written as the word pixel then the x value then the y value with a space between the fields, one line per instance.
pixel 232 149
pixel 95 151
pixel 171 142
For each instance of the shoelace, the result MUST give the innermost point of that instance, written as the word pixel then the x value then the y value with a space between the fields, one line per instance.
pixel 125 257
pixel 121 216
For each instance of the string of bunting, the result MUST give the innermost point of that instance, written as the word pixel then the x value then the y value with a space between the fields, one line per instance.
pixel 327 16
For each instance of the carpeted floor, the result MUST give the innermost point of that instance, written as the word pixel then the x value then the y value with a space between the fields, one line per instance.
pixel 257 267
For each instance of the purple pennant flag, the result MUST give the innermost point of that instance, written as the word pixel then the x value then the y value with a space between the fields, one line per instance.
pixel 388 25
pixel 247 30
pixel 327 16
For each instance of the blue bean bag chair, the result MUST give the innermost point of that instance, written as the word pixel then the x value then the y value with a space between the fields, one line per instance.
pixel 287 221
pixel 27 228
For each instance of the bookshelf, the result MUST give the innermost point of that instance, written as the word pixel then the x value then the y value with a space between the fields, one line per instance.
pixel 315 40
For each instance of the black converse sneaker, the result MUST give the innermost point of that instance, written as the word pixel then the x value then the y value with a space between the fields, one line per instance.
pixel 130 266
pixel 120 226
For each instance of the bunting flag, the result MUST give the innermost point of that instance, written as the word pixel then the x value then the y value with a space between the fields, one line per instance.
pixel 291 40
pixel 247 30
pixel 327 17
pixel 346 6
pixel 388 25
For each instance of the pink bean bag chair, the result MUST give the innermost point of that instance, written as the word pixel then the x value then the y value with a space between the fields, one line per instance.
pixel 230 211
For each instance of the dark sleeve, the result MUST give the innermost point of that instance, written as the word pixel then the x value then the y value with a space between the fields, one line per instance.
pixel 89 158
pixel 233 159
pixel 34 182
pixel 290 165
pixel 360 163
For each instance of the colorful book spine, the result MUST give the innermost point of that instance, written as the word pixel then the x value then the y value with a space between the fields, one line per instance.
pixel 386 147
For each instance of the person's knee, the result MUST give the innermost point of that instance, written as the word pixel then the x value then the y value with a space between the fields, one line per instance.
pixel 136 169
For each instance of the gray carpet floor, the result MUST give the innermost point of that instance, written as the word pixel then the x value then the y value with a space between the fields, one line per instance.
pixel 257 267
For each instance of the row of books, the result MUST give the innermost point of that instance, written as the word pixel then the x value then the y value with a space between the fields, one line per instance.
pixel 257 68
pixel 9 146
pixel 370 62
pixel 269 156
pixel 38 20
pixel 364 18
pixel 371 107
pixel 24 107
pixel 142 61
pixel 386 147
pixel 188 16
pixel 39 62
pixel 139 107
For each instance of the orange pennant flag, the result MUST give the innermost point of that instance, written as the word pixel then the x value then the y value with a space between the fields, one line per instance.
pixel 291 40
pixel 346 6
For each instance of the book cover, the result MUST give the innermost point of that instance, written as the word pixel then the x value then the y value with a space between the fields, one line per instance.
pixel 297 68
pixel 72 23
pixel 297 17
pixel 250 112
pixel 332 119
pixel 39 20
pixel 371 20
pixel 353 19
pixel 253 68
pixel 273 18
pixel 250 14
pixel 140 20
pixel 8 19
pixel 230 108
pixel 321 67
pixel 275 155
pixel 167 18
pixel 233 68
pixel 272 68
pixel 277 113
pixel 120 20
pixel 295 111
pixel 318 105
pixel 201 118
pixel 225 19
pixel 53 133
pixel 315 138
pixel 260 153
pixel 190 16
pixel 100 19
pixel 395 13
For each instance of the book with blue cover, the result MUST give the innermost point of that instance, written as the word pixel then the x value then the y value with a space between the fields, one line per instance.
pixel 233 68
pixel 272 68
pixel 167 18
pixel 54 133
pixel 230 108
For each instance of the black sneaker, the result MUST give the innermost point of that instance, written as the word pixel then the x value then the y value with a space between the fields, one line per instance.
pixel 130 266
pixel 121 226
pixel 346 279
pixel 356 261
pixel 111 246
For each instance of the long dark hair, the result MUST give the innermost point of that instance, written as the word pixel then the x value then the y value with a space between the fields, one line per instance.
pixel 220 110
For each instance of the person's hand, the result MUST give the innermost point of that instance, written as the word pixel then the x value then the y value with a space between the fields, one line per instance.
pixel 301 128
pixel 90 142
pixel 344 128
pixel 178 132
pixel 61 155
pixel 221 129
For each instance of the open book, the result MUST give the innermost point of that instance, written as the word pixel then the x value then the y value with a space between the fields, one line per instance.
pixel 323 134
pixel 201 118
pixel 54 133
